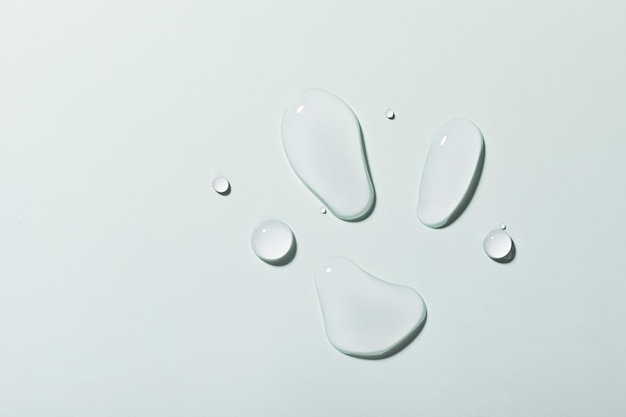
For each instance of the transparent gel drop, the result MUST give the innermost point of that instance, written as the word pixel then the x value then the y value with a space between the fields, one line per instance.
pixel 221 185
pixel 451 173
pixel 389 114
pixel 499 246
pixel 323 210
pixel 273 242
pixel 363 315
pixel 324 145
pixel 502 226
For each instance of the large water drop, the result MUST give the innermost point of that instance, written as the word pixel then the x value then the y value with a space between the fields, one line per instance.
pixel 273 242
pixel 324 145
pixel 365 316
pixel 451 173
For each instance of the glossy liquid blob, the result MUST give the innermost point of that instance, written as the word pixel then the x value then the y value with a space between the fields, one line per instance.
pixel 273 242
pixel 389 114
pixel 324 145
pixel 499 246
pixel 365 316
pixel 451 173
pixel 221 185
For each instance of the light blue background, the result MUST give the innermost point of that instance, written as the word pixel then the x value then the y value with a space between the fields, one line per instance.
pixel 128 287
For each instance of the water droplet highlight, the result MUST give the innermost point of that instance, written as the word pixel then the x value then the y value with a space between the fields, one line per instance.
pixel 221 185
pixel 499 246
pixel 323 210
pixel 451 173
pixel 323 142
pixel 273 242
pixel 389 114
pixel 363 315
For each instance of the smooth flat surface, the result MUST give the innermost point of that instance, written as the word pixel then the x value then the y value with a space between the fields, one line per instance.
pixel 128 287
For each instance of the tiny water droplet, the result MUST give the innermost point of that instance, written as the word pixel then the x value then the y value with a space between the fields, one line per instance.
pixel 323 210
pixel 365 316
pixel 502 226
pixel 499 246
pixel 221 185
pixel 323 142
pixel 273 242
pixel 389 114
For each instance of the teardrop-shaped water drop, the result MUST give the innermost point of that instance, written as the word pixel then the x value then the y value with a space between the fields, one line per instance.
pixel 451 172
pixel 365 316
pixel 273 242
pixel 324 145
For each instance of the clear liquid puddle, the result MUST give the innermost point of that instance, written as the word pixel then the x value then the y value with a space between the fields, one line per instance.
pixel 451 173
pixel 323 142
pixel 273 242
pixel 363 315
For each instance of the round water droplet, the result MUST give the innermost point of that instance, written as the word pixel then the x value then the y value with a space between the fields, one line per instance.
pixel 389 114
pixel 502 226
pixel 221 185
pixel 273 242
pixel 499 246
pixel 323 210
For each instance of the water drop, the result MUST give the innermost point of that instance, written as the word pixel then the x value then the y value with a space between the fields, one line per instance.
pixel 389 114
pixel 502 226
pixel 221 185
pixel 499 246
pixel 451 173
pixel 323 210
pixel 273 242
pixel 324 145
pixel 363 315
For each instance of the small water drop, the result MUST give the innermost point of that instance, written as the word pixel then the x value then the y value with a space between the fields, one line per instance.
pixel 499 246
pixel 451 173
pixel 323 210
pixel 221 185
pixel 363 315
pixel 502 226
pixel 273 242
pixel 389 114
pixel 324 145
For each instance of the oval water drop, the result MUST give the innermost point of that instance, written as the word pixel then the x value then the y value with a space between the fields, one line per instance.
pixel 451 173
pixel 324 145
pixel 363 315
pixel 273 242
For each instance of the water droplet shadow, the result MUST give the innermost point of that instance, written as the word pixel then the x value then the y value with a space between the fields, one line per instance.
pixel 370 176
pixel 510 256
pixel 467 198
pixel 399 347
pixel 288 257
